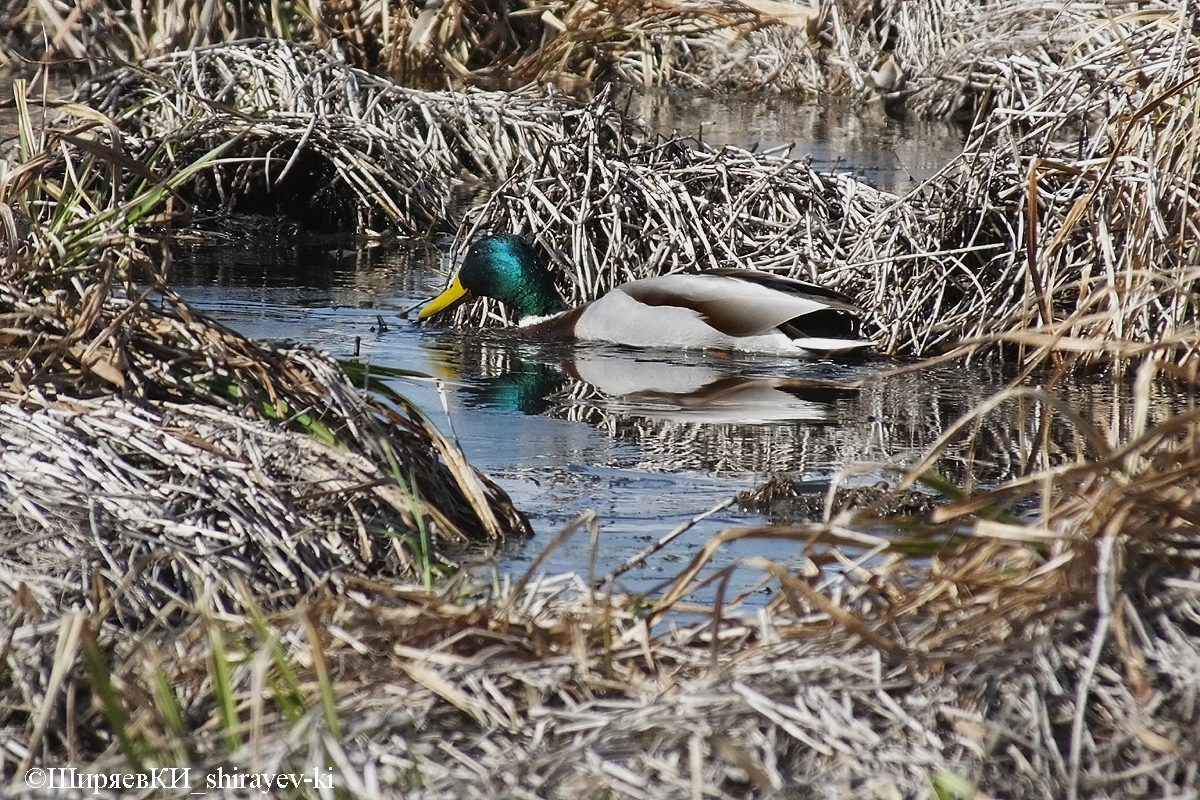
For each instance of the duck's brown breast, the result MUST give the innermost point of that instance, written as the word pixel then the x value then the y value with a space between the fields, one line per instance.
pixel 559 328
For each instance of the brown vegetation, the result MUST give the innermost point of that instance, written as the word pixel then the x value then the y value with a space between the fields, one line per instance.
pixel 182 453
pixel 205 535
pixel 302 133
pixel 1049 658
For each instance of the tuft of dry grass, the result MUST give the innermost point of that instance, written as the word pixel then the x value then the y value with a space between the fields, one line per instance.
pixel 996 651
pixel 168 454
pixel 297 131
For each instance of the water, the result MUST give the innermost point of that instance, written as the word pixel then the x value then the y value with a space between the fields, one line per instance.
pixel 890 154
pixel 646 440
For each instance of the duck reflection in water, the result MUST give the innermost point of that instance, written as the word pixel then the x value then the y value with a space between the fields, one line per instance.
pixel 570 382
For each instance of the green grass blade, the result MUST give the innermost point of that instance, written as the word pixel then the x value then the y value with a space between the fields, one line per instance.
pixel 285 686
pixel 323 680
pixel 141 205
pixel 168 704
pixel 222 680
pixel 114 709
pixel 943 486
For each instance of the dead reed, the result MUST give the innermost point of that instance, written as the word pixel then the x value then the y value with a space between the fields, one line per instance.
pixel 994 652
pixel 942 58
pixel 1088 180
pixel 170 453
pixel 672 205
pixel 1036 235
pixel 297 131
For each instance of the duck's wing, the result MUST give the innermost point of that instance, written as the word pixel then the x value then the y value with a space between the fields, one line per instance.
pixel 779 283
pixel 745 302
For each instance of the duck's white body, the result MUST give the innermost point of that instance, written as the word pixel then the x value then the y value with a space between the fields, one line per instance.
pixel 709 311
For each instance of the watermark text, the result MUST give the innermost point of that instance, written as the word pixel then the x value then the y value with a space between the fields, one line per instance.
pixel 175 779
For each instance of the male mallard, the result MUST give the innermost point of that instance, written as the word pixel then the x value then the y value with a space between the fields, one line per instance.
pixel 722 309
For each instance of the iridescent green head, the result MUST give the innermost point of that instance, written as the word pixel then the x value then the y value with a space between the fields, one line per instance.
pixel 504 267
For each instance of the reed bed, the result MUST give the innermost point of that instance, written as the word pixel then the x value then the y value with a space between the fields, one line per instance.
pixel 1069 222
pixel 677 204
pixel 953 261
pixel 947 58
pixel 300 132
pixel 173 453
pixel 941 59
pixel 571 42
pixel 1035 236
pixel 109 33
pixel 205 535
pixel 961 59
pixel 178 455
pixel 1093 196
pixel 988 654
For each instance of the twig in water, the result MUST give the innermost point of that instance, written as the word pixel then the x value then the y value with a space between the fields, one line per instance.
pixel 663 542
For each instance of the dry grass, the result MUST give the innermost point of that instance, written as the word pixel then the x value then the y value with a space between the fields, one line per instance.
pixel 1052 657
pixel 951 58
pixel 1035 636
pixel 105 33
pixel 173 451
pixel 297 131
pixel 1094 197
pixel 1087 144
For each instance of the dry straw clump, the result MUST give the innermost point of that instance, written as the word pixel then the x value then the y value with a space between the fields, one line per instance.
pixel 940 58
pixel 147 447
pixel 1089 183
pixel 295 130
pixel 572 42
pixel 170 455
pixel 987 654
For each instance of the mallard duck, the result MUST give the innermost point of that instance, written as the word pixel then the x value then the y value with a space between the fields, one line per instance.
pixel 719 309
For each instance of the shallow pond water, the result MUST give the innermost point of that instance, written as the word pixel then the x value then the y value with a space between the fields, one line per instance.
pixel 890 154
pixel 647 440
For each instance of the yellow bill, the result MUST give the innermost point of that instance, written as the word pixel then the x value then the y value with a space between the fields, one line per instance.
pixel 452 294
